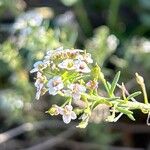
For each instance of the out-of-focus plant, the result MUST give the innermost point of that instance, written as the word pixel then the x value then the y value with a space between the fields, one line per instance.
pixel 138 51
pixel 15 89
pixel 66 29
pixel 81 14
pixel 14 7
pixel 69 2
pixel 34 36
pixel 8 54
pixel 11 102
pixel 31 38
pixel 101 134
pixel 145 14
pixel 102 44
pixel 72 75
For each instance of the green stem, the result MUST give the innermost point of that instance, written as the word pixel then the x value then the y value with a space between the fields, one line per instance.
pixel 121 103
pixel 145 94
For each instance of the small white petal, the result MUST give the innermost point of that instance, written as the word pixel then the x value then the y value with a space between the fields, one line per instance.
pixel 82 67
pixel 38 93
pixel 82 88
pixel 61 110
pixel 59 86
pixel 66 118
pixel 52 91
pixel 38 63
pixel 34 70
pixel 76 96
pixel 68 107
pixel 67 92
pixel 49 84
pixel 59 48
pixel 67 64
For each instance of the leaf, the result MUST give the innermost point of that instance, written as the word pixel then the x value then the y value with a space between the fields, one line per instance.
pixel 114 83
pixel 108 85
pixel 125 111
pixel 134 95
pixel 131 117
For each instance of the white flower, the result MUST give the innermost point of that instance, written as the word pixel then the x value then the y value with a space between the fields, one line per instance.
pixel 39 84
pixel 55 85
pixel 85 57
pixel 68 114
pixel 39 65
pixel 82 67
pixel 67 64
pixel 76 89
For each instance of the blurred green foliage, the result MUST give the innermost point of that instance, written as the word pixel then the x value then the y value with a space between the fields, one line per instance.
pixel 13 7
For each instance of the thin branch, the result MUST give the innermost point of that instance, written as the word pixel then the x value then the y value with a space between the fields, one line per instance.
pixel 54 141
pixel 26 127
pixel 75 145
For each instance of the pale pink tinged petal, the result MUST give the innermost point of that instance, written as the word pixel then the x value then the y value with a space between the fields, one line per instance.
pixel 66 118
pixel 69 107
pixel 76 96
pixel 60 110
pixel 85 70
pixel 73 115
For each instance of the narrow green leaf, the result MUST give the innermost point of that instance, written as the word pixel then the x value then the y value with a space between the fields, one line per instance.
pixel 114 83
pixel 125 111
pixel 131 117
pixel 134 95
pixel 108 85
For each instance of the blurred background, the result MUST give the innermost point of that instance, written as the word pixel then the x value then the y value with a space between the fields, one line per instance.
pixel 116 32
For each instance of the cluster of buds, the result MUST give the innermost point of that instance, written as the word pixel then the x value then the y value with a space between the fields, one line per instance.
pixel 72 74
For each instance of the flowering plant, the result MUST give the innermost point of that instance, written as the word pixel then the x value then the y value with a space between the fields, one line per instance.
pixel 72 74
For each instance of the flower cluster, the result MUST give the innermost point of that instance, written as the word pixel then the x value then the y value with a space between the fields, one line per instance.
pixel 71 74
pixel 63 72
